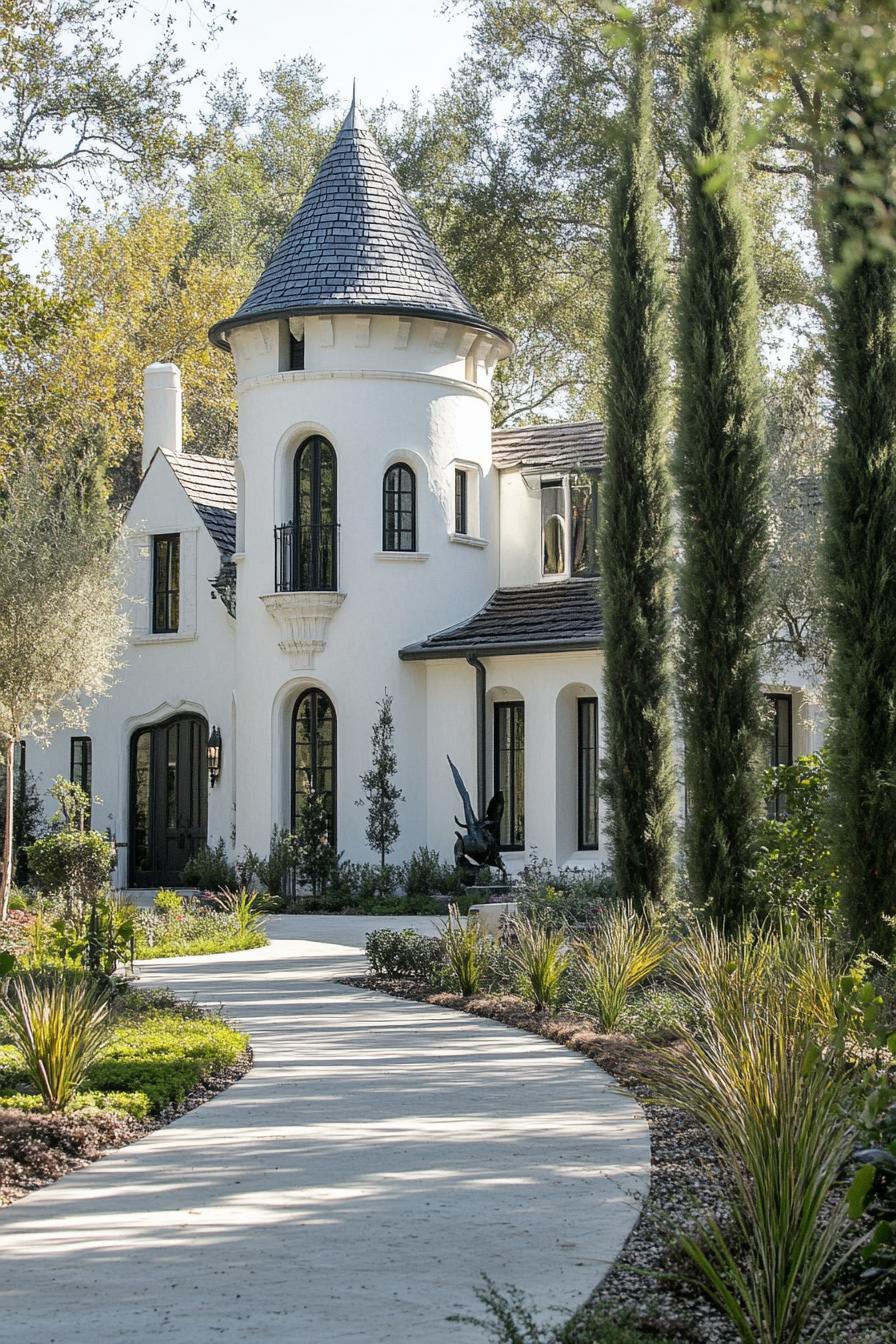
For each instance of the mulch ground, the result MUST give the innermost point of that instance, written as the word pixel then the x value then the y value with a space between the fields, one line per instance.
pixel 650 1278
pixel 36 1148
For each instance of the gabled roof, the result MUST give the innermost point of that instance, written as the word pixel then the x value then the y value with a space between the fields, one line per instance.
pixel 541 618
pixel 554 447
pixel 356 243
pixel 210 484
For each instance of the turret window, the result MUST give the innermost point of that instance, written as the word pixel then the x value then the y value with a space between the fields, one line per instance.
pixel 305 550
pixel 461 521
pixel 399 509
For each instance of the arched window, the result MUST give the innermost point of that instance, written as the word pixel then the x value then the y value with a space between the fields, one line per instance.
pixel 399 509
pixel 315 513
pixel 314 754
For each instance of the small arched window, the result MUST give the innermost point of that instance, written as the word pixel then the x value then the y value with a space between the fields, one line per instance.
pixel 317 532
pixel 399 509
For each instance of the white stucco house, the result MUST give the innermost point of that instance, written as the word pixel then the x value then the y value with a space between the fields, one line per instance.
pixel 373 532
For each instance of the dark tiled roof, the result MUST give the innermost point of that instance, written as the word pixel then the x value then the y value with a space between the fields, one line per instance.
pixel 543 618
pixel 355 243
pixel 551 447
pixel 210 483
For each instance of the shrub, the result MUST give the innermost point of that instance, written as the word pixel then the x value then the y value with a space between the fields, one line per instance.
pixel 210 869
pixel 76 864
pixel 795 864
pixel 465 952
pixel 404 955
pixel 624 948
pixel 425 873
pixel 59 1025
pixel 559 899
pixel 510 1320
pixel 168 902
pixel 873 1189
pixel 195 932
pixel 540 959
pixel 275 871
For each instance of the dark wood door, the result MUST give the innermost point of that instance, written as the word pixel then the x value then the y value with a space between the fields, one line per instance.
pixel 169 799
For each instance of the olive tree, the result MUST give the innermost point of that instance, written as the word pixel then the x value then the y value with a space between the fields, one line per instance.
pixel 62 626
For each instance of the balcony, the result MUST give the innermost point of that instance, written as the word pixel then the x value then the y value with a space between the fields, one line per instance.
pixel 304 600
pixel 306 558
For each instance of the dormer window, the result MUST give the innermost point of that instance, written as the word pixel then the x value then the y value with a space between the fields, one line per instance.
pixel 569 525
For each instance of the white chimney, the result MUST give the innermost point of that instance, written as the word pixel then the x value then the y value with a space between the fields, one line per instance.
pixel 162 410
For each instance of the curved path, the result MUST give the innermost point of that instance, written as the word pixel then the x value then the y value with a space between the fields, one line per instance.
pixel 378 1158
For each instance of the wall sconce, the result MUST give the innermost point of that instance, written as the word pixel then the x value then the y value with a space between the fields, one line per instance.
pixel 214 755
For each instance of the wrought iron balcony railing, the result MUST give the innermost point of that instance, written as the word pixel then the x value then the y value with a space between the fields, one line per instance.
pixel 306 557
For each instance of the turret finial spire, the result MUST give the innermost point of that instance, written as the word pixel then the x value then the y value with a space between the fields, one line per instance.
pixel 353 120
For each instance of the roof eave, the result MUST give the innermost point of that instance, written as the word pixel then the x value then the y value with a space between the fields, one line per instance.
pixel 217 333
pixel 427 652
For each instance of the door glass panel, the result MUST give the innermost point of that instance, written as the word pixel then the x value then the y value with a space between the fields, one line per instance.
pixel 314 759
pixel 142 755
pixel 171 779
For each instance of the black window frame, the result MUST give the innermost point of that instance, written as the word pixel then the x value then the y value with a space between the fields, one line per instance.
pixel 775 806
pixel 315 695
pixel 394 534
pixel 513 822
pixel 461 502
pixel 80 769
pixel 166 575
pixel 587 758
pixel 315 558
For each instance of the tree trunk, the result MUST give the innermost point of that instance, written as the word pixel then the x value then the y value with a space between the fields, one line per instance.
pixel 9 755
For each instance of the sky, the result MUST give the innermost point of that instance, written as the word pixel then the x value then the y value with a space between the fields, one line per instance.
pixel 391 47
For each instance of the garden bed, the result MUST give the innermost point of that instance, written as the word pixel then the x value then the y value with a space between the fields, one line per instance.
pixel 650 1282
pixel 165 1057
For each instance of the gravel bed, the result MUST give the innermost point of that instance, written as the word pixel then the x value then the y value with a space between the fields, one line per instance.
pixel 37 1148
pixel 650 1278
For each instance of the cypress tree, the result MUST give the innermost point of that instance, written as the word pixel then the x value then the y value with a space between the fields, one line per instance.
pixel 721 466
pixel 861 538
pixel 639 780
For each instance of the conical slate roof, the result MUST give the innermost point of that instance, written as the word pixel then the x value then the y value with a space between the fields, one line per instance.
pixel 355 244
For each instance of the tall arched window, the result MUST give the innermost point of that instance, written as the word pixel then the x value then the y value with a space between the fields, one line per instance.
pixel 399 509
pixel 314 754
pixel 315 513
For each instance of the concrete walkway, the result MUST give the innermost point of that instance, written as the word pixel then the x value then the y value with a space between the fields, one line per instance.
pixel 376 1160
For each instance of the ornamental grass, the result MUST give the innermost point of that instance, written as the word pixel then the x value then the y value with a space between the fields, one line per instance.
pixel 60 1024
pixel 625 947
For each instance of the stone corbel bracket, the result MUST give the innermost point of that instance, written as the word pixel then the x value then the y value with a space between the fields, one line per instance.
pixel 303 619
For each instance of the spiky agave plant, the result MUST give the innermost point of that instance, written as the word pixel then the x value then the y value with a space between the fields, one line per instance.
pixel 59 1024
pixel 767 1070
pixel 625 947
pixel 465 951
pixel 540 958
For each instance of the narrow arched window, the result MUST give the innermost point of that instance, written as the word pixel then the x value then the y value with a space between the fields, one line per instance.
pixel 314 755
pixel 315 514
pixel 399 509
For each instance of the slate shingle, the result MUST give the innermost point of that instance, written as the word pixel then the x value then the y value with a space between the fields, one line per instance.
pixel 210 483
pixel 559 447
pixel 543 617
pixel 355 243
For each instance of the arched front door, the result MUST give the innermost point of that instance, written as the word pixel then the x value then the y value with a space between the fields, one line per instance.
pixel 169 799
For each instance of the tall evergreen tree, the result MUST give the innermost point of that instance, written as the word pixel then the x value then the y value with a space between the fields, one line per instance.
pixel 861 542
pixel 635 530
pixel 381 793
pixel 723 495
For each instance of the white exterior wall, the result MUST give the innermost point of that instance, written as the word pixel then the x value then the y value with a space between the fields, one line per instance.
pixel 163 675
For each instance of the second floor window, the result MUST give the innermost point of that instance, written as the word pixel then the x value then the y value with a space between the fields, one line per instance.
pixel 315 505
pixel 399 509
pixel 81 769
pixel 165 584
pixel 460 502
pixel 569 525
